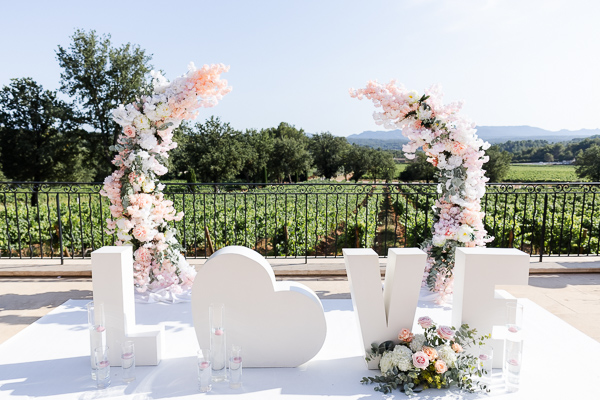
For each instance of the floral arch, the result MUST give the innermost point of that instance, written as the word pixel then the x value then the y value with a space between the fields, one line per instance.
pixel 140 213
pixel 451 144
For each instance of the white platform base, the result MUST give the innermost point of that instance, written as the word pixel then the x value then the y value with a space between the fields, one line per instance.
pixel 50 360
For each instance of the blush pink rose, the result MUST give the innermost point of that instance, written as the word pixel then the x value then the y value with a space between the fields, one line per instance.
pixel 129 131
pixel 445 332
pixel 143 233
pixel 405 336
pixel 420 360
pixel 431 352
pixel 457 348
pixel 425 322
pixel 143 256
pixel 440 367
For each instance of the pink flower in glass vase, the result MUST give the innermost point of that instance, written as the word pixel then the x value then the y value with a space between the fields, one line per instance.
pixel 405 336
pixel 420 360
pixel 445 332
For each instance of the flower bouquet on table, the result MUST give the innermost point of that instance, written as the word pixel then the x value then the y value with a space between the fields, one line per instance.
pixel 433 359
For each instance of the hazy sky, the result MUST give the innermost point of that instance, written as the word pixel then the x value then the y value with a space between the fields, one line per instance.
pixel 522 62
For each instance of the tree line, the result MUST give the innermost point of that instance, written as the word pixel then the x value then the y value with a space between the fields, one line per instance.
pixel 65 135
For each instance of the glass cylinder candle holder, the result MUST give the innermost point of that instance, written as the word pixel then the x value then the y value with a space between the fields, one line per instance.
pixel 97 329
pixel 204 370
pixel 514 315
pixel 513 352
pixel 235 367
pixel 486 362
pixel 218 343
pixel 128 361
pixel 102 367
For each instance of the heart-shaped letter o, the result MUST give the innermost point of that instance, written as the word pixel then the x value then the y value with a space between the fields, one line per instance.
pixel 277 324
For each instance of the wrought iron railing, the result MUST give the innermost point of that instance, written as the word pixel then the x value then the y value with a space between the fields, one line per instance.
pixel 68 220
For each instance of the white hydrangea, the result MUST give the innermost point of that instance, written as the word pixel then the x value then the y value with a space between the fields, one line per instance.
pixel 417 343
pixel 454 162
pixel 404 361
pixel 401 358
pixel 446 354
pixel 387 362
pixel 147 141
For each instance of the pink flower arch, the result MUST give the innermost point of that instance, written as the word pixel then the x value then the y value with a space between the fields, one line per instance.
pixel 139 211
pixel 451 144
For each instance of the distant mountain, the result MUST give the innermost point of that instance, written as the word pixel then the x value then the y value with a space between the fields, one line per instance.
pixel 501 134
pixel 396 134
pixel 492 134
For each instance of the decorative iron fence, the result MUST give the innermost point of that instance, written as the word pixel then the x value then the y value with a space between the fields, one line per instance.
pixel 68 220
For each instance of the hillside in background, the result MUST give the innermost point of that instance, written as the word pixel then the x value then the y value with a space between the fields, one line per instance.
pixel 493 134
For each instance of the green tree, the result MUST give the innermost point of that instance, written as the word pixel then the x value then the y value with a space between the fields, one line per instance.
pixel 382 165
pixel 328 153
pixel 419 169
pixel 39 135
pixel 214 150
pixel 100 77
pixel 257 147
pixel 358 160
pixel 498 165
pixel 588 163
pixel 291 149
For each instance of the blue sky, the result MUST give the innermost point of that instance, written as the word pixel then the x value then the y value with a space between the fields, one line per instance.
pixel 525 62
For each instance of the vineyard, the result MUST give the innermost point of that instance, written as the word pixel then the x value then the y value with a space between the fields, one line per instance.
pixel 300 220
pixel 541 173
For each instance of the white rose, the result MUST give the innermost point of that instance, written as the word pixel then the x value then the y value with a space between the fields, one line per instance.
pixel 438 241
pixel 413 96
pixel 148 186
pixel 163 110
pixel 465 233
pixel 141 122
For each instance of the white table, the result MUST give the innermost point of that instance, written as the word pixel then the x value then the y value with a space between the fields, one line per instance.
pixel 50 360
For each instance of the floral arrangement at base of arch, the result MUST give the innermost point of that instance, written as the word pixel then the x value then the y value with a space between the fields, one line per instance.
pixel 140 213
pixel 433 359
pixel 452 146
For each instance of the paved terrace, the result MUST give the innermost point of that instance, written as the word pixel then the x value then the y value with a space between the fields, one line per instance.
pixel 568 287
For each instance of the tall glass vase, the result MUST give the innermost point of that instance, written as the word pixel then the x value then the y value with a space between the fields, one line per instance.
pixel 218 343
pixel 97 328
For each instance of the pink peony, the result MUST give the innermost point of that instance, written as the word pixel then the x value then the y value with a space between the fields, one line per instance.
pixel 143 256
pixel 445 332
pixel 425 322
pixel 143 233
pixel 440 367
pixel 420 360
pixel 405 336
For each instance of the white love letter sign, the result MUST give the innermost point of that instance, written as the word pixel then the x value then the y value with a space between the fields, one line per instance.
pixel 112 282
pixel 277 324
pixel 477 271
pixel 382 314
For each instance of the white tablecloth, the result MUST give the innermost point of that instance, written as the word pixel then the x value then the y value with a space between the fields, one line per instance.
pixel 50 359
